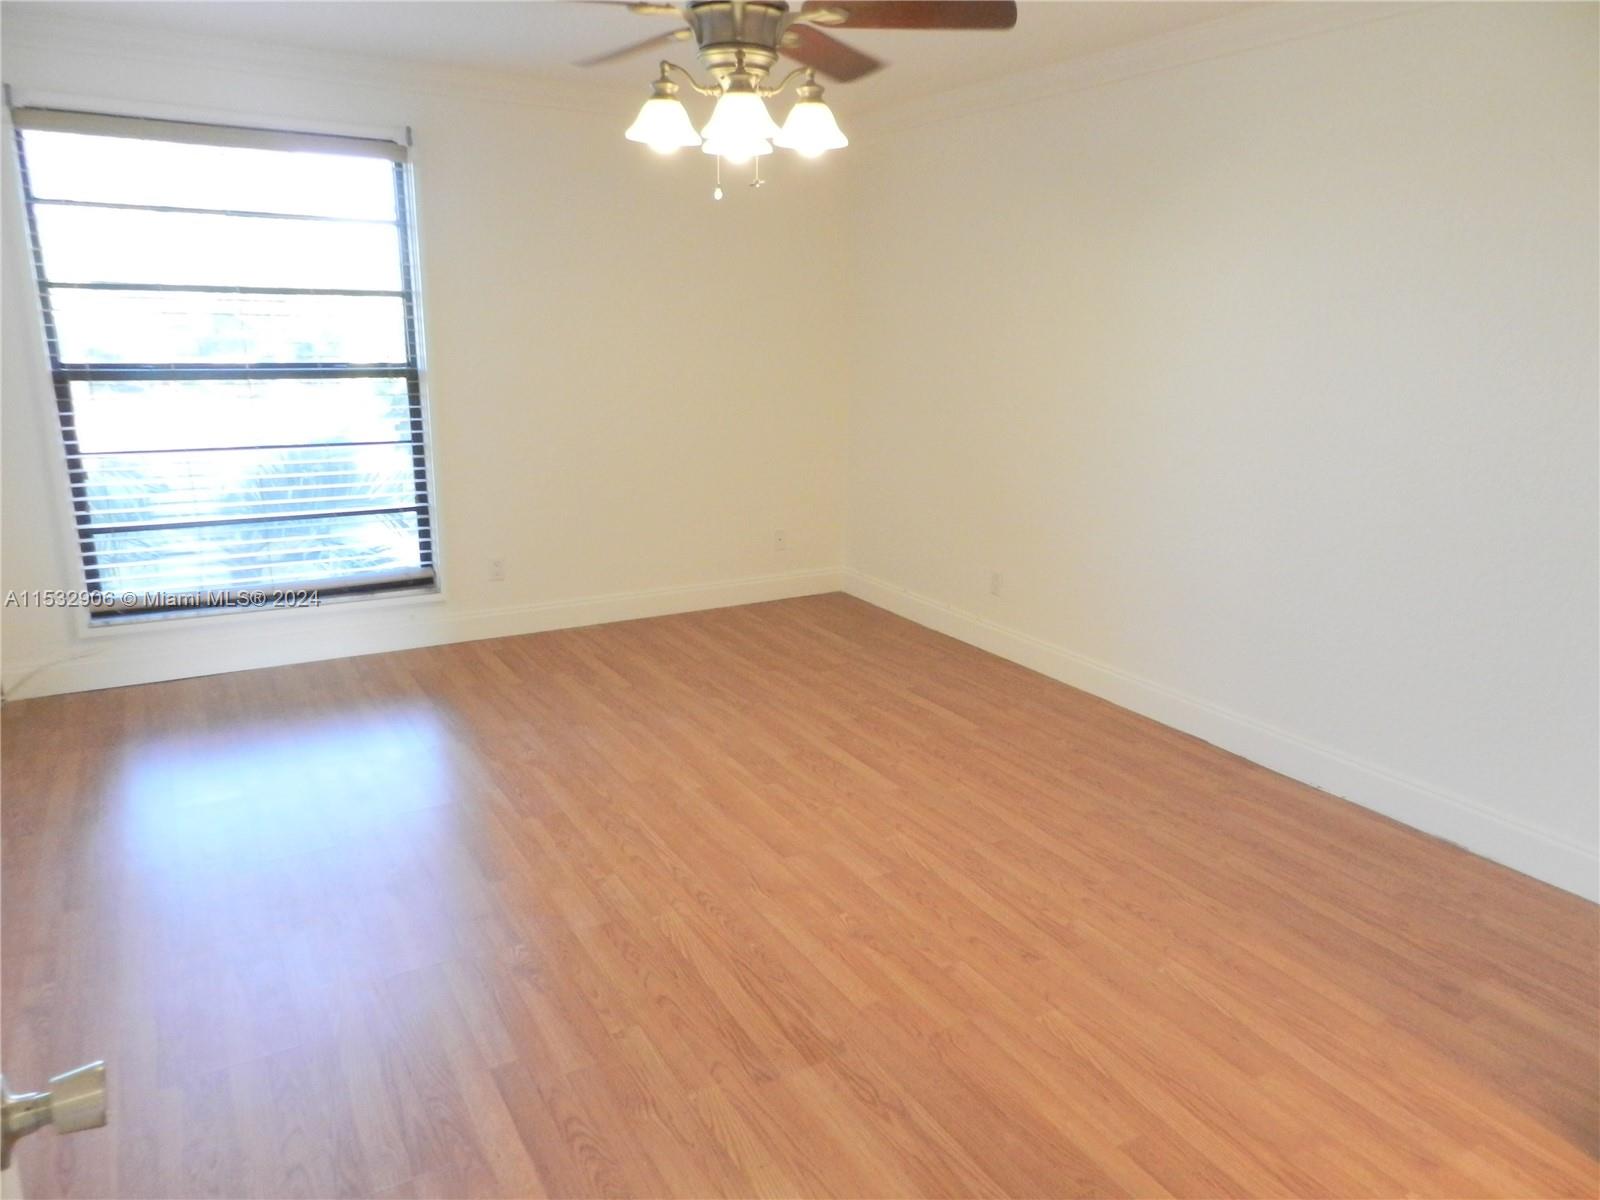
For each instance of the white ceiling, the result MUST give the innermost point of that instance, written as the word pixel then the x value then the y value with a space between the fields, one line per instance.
pixel 543 37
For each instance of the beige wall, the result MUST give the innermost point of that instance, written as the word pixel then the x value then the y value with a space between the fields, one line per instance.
pixel 1268 385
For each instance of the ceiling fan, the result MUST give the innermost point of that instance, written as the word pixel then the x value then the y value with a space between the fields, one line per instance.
pixel 772 30
pixel 739 43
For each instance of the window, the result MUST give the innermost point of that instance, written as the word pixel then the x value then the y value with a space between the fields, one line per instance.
pixel 232 334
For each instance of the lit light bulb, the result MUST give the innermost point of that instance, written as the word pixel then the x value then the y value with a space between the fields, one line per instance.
pixel 740 156
pixel 737 152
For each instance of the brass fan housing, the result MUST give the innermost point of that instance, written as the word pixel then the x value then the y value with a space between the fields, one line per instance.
pixel 737 35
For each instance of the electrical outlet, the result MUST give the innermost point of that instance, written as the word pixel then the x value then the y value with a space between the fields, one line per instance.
pixel 995 583
pixel 497 570
pixel 780 540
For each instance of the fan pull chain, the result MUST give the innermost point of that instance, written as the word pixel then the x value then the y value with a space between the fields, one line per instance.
pixel 716 192
pixel 757 181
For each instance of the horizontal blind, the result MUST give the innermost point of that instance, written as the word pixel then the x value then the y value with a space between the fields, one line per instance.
pixel 231 324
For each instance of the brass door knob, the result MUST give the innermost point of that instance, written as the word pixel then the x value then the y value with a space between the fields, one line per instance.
pixel 76 1100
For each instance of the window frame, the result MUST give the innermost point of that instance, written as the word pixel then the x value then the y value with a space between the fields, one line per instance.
pixel 424 586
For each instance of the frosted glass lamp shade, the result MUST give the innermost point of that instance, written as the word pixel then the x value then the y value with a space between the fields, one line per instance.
pixel 740 118
pixel 663 123
pixel 810 128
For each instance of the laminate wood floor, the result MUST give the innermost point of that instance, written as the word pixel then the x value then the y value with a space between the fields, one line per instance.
pixel 790 899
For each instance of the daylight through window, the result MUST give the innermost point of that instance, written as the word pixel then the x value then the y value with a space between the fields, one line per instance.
pixel 233 340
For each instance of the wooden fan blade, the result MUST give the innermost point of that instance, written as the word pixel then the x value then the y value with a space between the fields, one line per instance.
pixel 813 48
pixel 913 14
pixel 661 39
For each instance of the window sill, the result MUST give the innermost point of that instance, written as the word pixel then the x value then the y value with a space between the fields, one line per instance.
pixel 136 623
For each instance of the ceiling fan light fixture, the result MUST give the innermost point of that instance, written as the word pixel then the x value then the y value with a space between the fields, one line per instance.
pixel 810 129
pixel 663 123
pixel 740 42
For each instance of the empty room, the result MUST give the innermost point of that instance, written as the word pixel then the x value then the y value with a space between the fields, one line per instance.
pixel 829 599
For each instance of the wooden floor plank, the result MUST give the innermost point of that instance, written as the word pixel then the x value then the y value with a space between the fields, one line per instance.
pixel 790 899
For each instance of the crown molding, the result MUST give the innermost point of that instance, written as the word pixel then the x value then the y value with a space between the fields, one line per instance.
pixel 27 32
pixel 1271 24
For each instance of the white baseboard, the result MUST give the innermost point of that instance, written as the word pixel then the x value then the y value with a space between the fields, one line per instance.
pixel 149 653
pixel 1536 852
